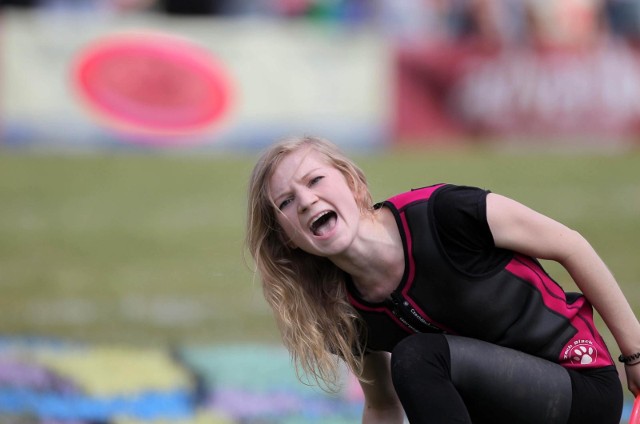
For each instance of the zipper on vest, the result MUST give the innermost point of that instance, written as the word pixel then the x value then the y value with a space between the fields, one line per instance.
pixel 403 310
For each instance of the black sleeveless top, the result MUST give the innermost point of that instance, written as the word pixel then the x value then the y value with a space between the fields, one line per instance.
pixel 456 281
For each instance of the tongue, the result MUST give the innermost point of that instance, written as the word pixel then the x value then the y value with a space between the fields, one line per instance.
pixel 326 226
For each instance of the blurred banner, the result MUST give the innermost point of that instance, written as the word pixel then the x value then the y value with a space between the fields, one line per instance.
pixel 285 78
pixel 567 95
pixel 356 85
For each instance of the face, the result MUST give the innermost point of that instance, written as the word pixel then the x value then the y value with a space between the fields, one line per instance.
pixel 315 205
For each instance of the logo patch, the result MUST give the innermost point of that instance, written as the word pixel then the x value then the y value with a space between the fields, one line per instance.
pixel 581 352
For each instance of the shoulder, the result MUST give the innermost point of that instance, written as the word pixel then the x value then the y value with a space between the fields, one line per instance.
pixel 413 196
pixel 459 214
pixel 456 200
pixel 446 198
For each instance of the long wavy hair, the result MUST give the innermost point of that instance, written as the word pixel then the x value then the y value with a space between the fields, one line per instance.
pixel 307 293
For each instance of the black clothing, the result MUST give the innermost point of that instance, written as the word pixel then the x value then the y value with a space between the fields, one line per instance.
pixel 451 379
pixel 482 334
pixel 456 281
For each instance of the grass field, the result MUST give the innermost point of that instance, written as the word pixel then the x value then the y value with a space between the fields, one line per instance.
pixel 148 249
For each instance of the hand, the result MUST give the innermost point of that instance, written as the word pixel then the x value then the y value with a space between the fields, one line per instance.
pixel 633 378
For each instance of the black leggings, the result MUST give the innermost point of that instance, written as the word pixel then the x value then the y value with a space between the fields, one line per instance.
pixel 450 379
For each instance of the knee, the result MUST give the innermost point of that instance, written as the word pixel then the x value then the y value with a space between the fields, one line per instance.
pixel 420 356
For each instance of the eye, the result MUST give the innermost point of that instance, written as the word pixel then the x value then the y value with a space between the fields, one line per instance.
pixel 285 202
pixel 315 180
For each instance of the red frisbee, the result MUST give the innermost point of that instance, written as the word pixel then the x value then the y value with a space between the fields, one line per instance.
pixel 152 84
pixel 635 412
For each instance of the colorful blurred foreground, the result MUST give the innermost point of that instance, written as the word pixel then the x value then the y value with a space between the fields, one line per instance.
pixel 52 382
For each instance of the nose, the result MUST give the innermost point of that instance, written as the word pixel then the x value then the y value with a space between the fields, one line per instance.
pixel 306 198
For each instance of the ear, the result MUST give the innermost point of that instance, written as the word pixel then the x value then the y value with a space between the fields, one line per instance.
pixel 291 245
pixel 288 242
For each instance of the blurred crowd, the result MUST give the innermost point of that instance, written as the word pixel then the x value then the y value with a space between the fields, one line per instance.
pixel 504 21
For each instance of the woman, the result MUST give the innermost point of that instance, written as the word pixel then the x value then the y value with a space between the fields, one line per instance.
pixel 433 298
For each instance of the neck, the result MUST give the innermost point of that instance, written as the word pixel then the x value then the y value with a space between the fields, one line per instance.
pixel 376 260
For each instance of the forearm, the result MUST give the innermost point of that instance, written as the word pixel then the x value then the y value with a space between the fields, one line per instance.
pixel 391 415
pixel 381 403
pixel 600 287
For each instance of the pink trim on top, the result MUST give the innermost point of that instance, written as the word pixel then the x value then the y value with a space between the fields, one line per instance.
pixel 401 201
pixel 553 295
pixel 586 349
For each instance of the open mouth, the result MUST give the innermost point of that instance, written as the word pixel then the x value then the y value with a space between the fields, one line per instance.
pixel 324 223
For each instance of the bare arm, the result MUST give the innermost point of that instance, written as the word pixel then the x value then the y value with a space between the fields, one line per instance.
pixel 516 227
pixel 381 404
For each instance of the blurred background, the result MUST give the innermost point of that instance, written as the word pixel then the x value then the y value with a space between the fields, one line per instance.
pixel 129 128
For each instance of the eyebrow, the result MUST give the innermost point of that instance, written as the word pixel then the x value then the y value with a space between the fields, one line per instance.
pixel 285 193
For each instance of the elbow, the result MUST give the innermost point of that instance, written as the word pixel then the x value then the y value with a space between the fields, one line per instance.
pixel 571 247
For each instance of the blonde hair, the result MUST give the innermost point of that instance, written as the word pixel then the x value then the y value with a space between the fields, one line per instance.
pixel 307 293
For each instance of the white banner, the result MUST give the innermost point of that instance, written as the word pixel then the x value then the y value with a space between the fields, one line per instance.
pixel 286 77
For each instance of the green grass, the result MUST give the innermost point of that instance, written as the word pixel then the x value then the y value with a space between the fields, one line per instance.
pixel 149 248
